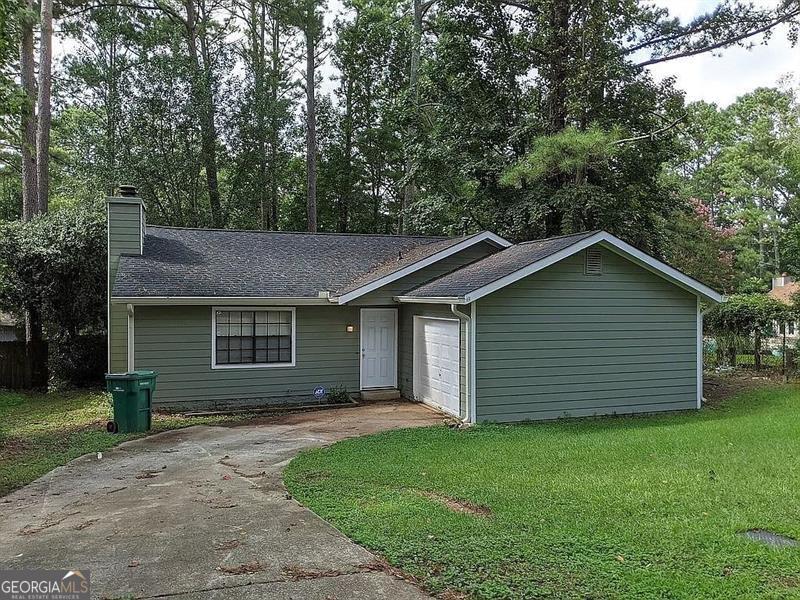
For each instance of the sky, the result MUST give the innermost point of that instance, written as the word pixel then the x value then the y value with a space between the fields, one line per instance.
pixel 721 79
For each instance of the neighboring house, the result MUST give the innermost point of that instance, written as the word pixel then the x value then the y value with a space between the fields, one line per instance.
pixel 783 290
pixel 8 328
pixel 582 324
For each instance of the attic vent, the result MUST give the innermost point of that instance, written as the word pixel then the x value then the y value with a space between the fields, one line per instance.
pixel 594 262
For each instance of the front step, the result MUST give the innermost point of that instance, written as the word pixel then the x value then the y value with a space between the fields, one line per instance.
pixel 382 394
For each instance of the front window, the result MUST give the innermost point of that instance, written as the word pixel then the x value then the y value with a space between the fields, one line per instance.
pixel 253 337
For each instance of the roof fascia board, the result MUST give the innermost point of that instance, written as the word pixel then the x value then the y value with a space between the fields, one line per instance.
pixel 486 236
pixel 533 268
pixel 429 300
pixel 613 243
pixel 661 269
pixel 212 300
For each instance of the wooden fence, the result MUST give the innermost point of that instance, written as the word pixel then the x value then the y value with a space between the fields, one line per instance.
pixel 18 362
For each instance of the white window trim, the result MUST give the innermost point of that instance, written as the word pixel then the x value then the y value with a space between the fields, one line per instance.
pixel 215 366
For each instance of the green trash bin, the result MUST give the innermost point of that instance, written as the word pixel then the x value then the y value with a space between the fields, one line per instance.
pixel 133 400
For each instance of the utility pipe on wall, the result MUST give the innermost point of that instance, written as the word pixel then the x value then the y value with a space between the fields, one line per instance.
pixel 468 323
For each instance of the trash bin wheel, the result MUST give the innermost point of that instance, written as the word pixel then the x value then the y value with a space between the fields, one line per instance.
pixel 111 427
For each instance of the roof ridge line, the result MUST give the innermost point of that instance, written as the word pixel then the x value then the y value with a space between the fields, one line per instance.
pixel 558 237
pixel 324 233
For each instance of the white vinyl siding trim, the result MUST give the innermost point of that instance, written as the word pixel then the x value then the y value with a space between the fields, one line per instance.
pixel 214 364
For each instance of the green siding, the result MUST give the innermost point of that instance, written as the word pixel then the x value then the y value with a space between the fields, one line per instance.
pixel 405 361
pixel 560 343
pixel 385 295
pixel 124 237
pixel 176 341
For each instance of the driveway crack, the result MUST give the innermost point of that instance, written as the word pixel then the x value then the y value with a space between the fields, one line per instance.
pixel 292 578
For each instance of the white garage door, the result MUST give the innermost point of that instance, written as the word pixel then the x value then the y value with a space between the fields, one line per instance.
pixel 436 354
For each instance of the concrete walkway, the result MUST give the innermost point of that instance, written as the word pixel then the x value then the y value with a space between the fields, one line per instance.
pixel 202 513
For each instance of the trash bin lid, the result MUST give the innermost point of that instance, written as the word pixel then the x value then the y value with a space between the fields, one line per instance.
pixel 143 373
pixel 131 375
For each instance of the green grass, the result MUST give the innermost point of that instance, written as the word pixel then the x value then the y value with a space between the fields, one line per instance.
pixel 639 507
pixel 39 432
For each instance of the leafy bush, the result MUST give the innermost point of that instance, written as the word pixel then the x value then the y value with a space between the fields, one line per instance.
pixel 55 265
pixel 338 394
pixel 742 322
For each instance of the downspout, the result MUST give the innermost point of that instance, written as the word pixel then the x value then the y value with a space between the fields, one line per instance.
pixel 131 347
pixel 701 311
pixel 467 320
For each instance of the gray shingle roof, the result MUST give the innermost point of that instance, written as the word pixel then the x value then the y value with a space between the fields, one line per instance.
pixel 407 258
pixel 494 267
pixel 229 263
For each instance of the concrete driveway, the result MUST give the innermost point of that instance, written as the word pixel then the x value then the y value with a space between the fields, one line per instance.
pixel 202 513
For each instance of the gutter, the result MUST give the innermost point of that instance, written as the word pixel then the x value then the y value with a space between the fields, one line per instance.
pixel 467 320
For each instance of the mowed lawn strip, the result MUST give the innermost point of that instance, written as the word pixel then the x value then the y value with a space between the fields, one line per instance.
pixel 628 507
pixel 39 432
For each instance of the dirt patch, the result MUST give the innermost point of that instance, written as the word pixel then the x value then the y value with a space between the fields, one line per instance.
pixel 13 446
pixel 243 569
pixel 379 565
pixel 788 581
pixel 459 506
pixel 449 594
pixel 717 389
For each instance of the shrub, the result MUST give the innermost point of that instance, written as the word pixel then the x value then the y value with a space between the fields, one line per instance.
pixel 55 265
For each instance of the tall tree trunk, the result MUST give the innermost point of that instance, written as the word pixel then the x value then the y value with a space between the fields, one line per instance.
pixel 347 185
pixel 35 359
pixel 44 108
pixel 273 130
pixel 30 187
pixel 556 80
pixel 258 60
pixel 311 121
pixel 557 71
pixel 776 248
pixel 410 189
pixel 203 98
pixel 112 111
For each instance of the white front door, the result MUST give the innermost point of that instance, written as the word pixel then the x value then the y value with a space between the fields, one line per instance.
pixel 378 348
pixel 436 362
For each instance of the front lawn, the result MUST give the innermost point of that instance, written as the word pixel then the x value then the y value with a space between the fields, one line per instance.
pixel 639 507
pixel 39 432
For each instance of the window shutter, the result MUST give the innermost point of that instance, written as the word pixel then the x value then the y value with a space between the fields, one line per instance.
pixel 594 262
